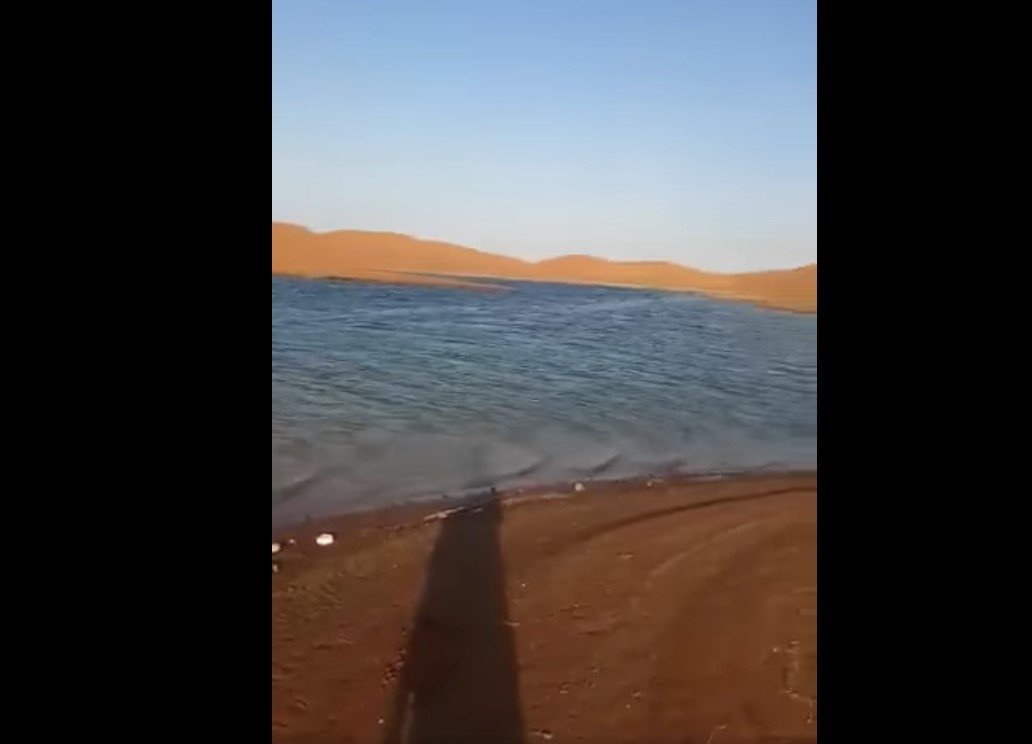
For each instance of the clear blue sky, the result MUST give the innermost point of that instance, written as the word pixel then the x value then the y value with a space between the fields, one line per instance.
pixel 642 129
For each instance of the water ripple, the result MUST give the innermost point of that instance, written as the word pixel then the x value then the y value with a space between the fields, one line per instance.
pixel 382 394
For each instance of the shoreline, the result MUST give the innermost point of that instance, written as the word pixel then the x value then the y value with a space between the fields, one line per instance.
pixel 456 281
pixel 650 609
pixel 417 508
pixel 296 250
pixel 712 294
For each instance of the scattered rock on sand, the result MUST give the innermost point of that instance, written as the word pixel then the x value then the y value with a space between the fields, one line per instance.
pixel 325 538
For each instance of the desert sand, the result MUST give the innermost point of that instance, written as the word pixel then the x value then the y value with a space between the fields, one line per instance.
pixel 391 257
pixel 646 611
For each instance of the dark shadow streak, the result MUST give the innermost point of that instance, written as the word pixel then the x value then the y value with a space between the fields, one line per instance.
pixel 459 682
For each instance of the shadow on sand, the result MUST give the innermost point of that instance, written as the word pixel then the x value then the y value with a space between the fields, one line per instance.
pixel 459 683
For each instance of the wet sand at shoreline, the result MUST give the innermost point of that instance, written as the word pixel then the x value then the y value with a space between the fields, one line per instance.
pixel 642 611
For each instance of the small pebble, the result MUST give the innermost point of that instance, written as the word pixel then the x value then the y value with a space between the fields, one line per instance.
pixel 276 547
pixel 325 539
pixel 578 487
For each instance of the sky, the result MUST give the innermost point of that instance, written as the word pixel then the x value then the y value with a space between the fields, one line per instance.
pixel 682 130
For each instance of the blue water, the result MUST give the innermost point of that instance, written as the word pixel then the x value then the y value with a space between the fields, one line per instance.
pixel 383 394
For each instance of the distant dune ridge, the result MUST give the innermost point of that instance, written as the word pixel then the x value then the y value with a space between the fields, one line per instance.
pixel 395 258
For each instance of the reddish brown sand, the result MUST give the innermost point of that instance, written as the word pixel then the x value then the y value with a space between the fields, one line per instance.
pixel 391 257
pixel 672 612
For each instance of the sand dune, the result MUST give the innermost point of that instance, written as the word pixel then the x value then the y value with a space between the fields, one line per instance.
pixel 391 257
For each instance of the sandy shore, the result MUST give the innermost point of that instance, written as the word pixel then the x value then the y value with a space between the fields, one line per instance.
pixel 632 612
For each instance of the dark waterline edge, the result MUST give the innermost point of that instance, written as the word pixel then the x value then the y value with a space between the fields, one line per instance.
pixel 754 303
pixel 474 287
pixel 441 505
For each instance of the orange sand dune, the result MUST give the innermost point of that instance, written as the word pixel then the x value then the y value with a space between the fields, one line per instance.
pixel 391 257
